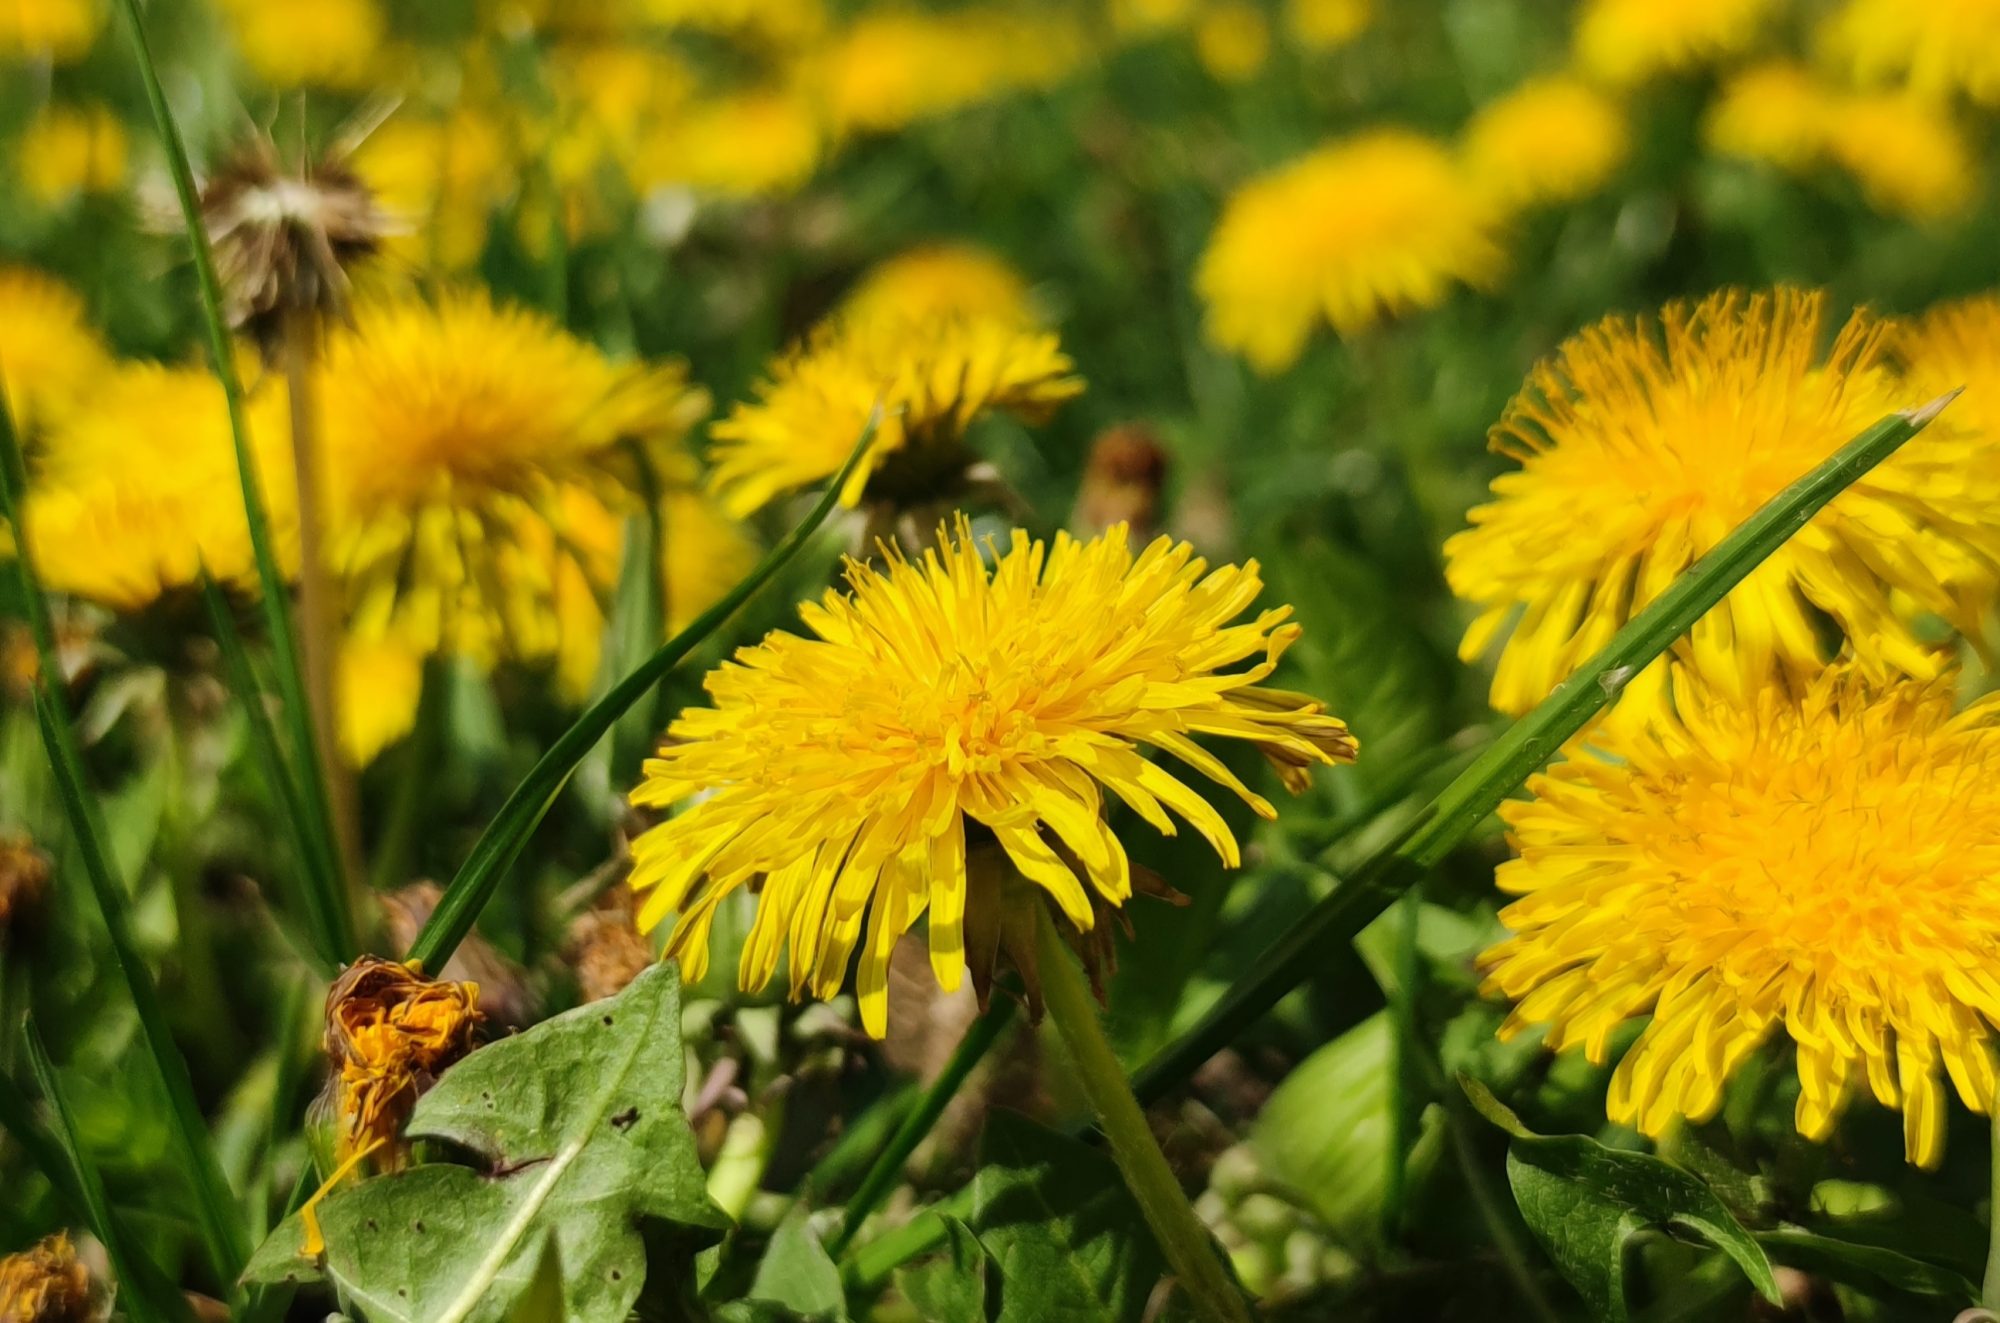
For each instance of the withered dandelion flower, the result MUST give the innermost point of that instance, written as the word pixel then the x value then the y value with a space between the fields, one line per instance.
pixel 389 1033
pixel 24 876
pixel 45 1284
pixel 1666 434
pixel 1373 226
pixel 1820 864
pixel 943 706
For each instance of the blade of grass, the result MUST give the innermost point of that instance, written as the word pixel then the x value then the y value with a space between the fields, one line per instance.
pixel 309 768
pixel 145 1293
pixel 503 838
pixel 319 898
pixel 1524 747
pixel 17 1118
pixel 215 1208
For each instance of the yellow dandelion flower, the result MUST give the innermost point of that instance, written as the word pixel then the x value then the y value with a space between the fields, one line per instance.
pixel 440 181
pixel 49 352
pixel 1138 19
pixel 137 491
pixel 787 23
pixel 945 704
pixel 461 439
pixel 931 377
pixel 378 684
pixel 1940 46
pixel 1905 152
pixel 1325 25
pixel 1232 39
pixel 309 43
pixel 1820 865
pixel 1949 346
pixel 70 150
pixel 45 1284
pixel 750 143
pixel 1642 443
pixel 1374 225
pixel 1550 140
pixel 1775 112
pixel 59 30
pixel 1629 41
pixel 941 280
pixel 892 67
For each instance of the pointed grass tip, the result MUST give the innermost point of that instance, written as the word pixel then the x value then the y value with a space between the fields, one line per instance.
pixel 1922 414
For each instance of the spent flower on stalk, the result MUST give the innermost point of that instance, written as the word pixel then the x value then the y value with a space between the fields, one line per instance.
pixel 1822 862
pixel 46 1283
pixel 389 1033
pixel 943 744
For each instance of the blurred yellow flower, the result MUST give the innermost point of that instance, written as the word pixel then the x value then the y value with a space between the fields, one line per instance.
pixel 1374 225
pixel 378 684
pixel 1629 41
pixel 941 280
pixel 1951 345
pixel 891 67
pixel 944 706
pixel 1232 39
pixel 1820 865
pixel 1938 46
pixel 1776 112
pixel 310 43
pixel 71 150
pixel 469 448
pixel 440 181
pixel 1905 152
pixel 781 22
pixel 1551 140
pixel 1643 442
pixel 137 489
pixel 58 30
pixel 1324 25
pixel 739 144
pixel 49 352
pixel 932 377
pixel 1137 19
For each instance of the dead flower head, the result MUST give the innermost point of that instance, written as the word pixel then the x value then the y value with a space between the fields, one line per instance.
pixel 45 1284
pixel 24 875
pixel 389 1032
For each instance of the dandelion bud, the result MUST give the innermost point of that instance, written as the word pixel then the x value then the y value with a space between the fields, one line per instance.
pixel 389 1033
pixel 45 1284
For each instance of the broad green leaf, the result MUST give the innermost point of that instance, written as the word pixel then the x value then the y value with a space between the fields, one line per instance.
pixel 542 1300
pixel 578 1127
pixel 953 1287
pixel 797 1272
pixel 1060 1227
pixel 1585 1202
pixel 1866 1266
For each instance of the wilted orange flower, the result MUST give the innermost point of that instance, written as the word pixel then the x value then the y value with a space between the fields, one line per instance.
pixel 389 1032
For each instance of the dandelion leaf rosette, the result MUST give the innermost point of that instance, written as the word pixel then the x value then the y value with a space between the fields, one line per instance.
pixel 578 1135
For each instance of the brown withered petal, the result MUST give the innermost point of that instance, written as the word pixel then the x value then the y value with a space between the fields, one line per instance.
pixel 45 1284
pixel 24 876
pixel 1121 483
pixel 504 996
pixel 389 1033
pixel 604 946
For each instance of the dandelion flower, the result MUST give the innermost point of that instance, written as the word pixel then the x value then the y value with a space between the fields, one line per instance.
pixel 1550 140
pixel 1820 864
pixel 892 67
pixel 439 181
pixel 1642 443
pixel 309 43
pixel 1372 226
pixel 68 151
pixel 1325 25
pixel 46 1284
pixel 59 30
pixel 379 683
pixel 1950 345
pixel 1629 41
pixel 932 377
pixel 943 704
pixel 1942 46
pixel 1775 112
pixel 1232 39
pixel 749 143
pixel 137 491
pixel 941 280
pixel 465 443
pixel 389 1031
pixel 1905 152
pixel 49 352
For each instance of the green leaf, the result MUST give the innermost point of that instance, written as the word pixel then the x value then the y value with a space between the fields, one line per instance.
pixel 1059 1225
pixel 544 1297
pixel 578 1127
pixel 1585 1202
pixel 798 1273
pixel 1866 1266
pixel 952 1288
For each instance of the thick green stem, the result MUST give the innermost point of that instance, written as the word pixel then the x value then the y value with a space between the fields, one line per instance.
pixel 1989 1289
pixel 1183 1239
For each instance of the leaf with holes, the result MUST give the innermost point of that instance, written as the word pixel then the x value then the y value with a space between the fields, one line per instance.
pixel 578 1130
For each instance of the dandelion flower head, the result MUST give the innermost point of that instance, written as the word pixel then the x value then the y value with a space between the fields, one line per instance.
pixel 750 142
pixel 1324 25
pixel 1643 442
pixel 1939 47
pixel 1552 139
pixel 1776 112
pixel 309 43
pixel 388 1031
pixel 941 280
pixel 1820 864
pixel 1905 151
pixel 943 703
pixel 440 181
pixel 892 67
pixel 1630 41
pixel 1232 39
pixel 59 30
pixel 49 351
pixel 1949 345
pixel 1372 226
pixel 67 151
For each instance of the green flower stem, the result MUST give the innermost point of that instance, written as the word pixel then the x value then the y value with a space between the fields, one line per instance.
pixel 1185 1241
pixel 1517 754
pixel 494 852
pixel 887 1168
pixel 1989 1289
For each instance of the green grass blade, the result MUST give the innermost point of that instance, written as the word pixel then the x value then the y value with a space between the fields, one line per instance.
pixel 1521 750
pixel 320 898
pixel 503 838
pixel 145 1294
pixel 215 1207
pixel 271 581
pixel 17 1118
